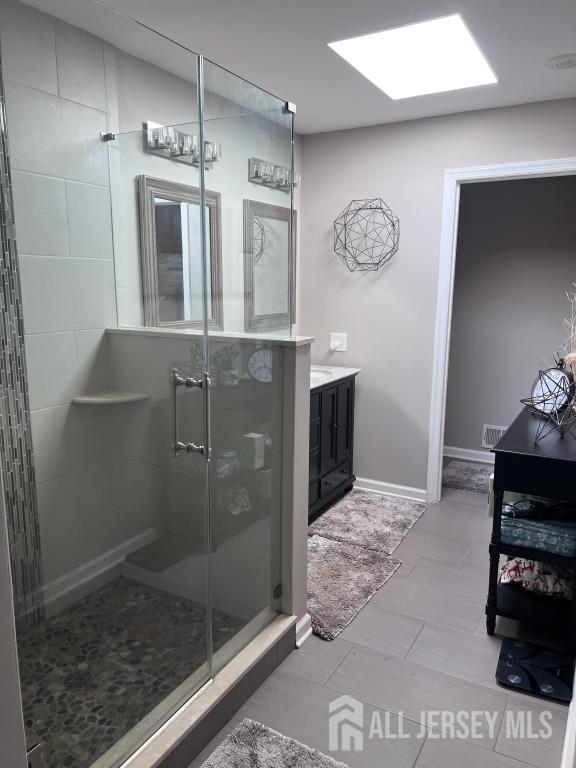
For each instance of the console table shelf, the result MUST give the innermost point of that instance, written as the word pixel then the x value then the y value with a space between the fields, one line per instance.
pixel 546 468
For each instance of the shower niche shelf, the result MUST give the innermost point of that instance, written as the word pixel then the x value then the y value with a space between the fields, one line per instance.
pixel 110 397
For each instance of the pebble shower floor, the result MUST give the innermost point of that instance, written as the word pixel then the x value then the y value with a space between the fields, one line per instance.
pixel 93 671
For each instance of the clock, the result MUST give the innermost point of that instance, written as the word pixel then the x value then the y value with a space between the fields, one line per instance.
pixel 552 391
pixel 260 365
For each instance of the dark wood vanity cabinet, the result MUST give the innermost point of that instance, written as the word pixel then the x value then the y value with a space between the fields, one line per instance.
pixel 331 443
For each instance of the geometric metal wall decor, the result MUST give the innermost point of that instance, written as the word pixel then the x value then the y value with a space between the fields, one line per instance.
pixel 552 400
pixel 366 235
pixel 16 459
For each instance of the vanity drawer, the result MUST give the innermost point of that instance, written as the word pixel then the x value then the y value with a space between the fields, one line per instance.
pixel 336 478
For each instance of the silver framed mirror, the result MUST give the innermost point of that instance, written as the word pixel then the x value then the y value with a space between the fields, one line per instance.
pixel 268 266
pixel 171 254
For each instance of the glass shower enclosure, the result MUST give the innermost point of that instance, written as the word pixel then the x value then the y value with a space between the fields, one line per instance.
pixel 153 210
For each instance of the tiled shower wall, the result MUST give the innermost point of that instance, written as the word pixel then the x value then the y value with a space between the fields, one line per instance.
pixel 57 105
pixel 16 462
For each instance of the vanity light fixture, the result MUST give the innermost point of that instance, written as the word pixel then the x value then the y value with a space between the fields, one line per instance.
pixel 270 175
pixel 169 142
pixel 418 59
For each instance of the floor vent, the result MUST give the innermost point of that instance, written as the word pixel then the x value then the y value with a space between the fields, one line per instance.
pixel 491 434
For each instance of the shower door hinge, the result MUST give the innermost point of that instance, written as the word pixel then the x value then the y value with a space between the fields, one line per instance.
pixel 36 757
pixel 289 108
pixel 277 591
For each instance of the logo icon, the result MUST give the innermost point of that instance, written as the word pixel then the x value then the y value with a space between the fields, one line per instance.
pixel 345 725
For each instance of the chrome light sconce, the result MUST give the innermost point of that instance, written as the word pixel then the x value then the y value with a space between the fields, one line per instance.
pixel 169 142
pixel 270 175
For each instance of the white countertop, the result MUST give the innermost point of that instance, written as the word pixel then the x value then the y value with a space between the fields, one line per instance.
pixel 326 374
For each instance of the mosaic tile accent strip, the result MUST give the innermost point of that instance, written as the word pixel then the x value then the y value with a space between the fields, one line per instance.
pixel 16 460
pixel 91 672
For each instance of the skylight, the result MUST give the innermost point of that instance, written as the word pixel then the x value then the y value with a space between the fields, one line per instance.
pixel 429 57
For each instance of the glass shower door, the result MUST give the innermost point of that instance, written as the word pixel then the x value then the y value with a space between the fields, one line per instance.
pixel 122 635
pixel 245 356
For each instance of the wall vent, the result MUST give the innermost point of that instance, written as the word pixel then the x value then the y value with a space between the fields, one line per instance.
pixel 491 434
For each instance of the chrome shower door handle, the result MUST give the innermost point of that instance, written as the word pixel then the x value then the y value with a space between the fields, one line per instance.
pixel 178 445
pixel 206 389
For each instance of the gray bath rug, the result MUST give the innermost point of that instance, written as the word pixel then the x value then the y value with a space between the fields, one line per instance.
pixel 369 520
pixel 467 476
pixel 342 578
pixel 253 745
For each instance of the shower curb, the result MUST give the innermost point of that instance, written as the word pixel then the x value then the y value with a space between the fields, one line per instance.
pixel 196 723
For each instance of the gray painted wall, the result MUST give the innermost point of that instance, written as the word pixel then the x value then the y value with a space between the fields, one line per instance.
pixel 516 258
pixel 390 315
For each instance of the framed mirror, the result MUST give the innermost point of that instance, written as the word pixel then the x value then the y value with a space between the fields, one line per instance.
pixel 170 241
pixel 268 265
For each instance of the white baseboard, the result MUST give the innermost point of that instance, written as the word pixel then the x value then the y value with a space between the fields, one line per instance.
pixel 466 454
pixel 303 630
pixel 389 489
pixel 569 750
pixel 72 586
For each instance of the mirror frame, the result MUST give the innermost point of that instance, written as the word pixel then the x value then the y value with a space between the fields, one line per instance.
pixel 149 188
pixel 252 321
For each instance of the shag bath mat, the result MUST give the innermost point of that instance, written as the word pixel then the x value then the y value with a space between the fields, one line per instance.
pixel 369 520
pixel 467 476
pixel 342 578
pixel 253 745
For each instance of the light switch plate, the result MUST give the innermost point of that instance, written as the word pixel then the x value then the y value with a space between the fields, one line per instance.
pixel 338 342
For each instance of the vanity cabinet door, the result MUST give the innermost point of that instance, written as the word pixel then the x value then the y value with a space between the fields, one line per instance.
pixel 314 438
pixel 344 422
pixel 328 413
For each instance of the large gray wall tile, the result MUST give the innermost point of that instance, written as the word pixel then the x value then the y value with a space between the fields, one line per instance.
pixel 80 61
pixel 51 361
pixel 89 221
pixel 67 294
pixel 38 121
pixel 28 46
pixel 67 438
pixel 92 361
pixel 34 130
pixel 84 156
pixel 40 211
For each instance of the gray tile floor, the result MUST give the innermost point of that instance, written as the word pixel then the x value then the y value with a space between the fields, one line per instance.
pixel 419 644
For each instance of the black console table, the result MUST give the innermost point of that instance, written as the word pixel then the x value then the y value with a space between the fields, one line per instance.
pixel 547 469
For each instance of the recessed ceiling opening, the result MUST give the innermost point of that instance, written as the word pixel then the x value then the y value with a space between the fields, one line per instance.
pixel 418 59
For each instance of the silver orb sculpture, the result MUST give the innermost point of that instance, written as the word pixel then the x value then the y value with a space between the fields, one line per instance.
pixel 366 235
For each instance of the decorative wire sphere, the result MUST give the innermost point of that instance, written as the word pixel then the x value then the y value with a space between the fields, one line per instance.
pixel 552 401
pixel 259 239
pixel 366 235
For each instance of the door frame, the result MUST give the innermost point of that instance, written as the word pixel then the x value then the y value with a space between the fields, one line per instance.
pixel 453 180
